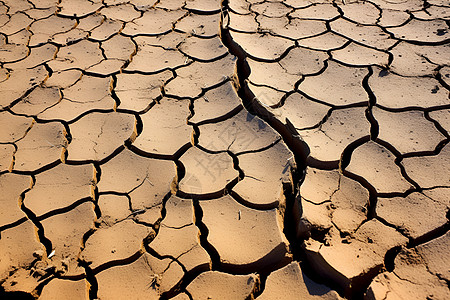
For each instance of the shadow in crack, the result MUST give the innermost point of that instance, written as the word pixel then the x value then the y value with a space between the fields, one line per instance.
pixel 14 295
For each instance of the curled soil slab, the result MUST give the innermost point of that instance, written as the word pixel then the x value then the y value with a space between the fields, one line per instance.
pixel 290 283
pixel 216 285
pixel 256 251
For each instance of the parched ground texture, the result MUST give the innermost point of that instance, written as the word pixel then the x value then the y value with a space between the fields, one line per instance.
pixel 243 149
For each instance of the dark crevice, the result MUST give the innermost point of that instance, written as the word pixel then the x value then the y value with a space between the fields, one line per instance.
pixel 348 151
pixel 399 229
pixel 398 162
pixel 115 263
pixel 322 165
pixel 439 78
pixel 13 224
pixel 374 128
pixel 226 116
pixel 212 252
pixel 62 210
pixel 113 92
pixel 88 234
pixel 434 152
pixel 202 93
pixel 188 277
pixel 260 149
pixel 143 153
pixel 437 125
pixel 351 105
pixel 193 58
pixel 209 196
pixel 33 218
pixel 95 193
pixel 195 134
pixel 92 281
pixel 102 111
pixel 99 162
pixel 4 295
pixel 429 236
pixel 252 205
pixel 409 108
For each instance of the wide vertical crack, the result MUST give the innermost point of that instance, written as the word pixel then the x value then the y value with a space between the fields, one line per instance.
pixel 288 133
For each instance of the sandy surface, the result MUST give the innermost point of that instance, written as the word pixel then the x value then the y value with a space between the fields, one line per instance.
pixel 243 149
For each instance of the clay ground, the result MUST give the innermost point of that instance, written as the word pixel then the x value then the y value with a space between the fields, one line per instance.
pixel 243 149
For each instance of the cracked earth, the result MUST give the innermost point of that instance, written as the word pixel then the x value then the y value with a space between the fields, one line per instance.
pixel 243 149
